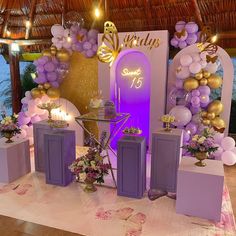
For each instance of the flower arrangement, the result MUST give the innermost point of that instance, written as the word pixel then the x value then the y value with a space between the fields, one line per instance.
pixel 167 120
pixel 201 145
pixel 90 167
pixel 9 127
pixel 132 131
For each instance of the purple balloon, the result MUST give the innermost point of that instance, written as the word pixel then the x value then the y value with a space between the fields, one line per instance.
pixel 203 105
pixel 195 92
pixel 191 39
pixel 79 47
pixel 186 136
pixel 182 44
pixel 179 83
pixel 92 34
pixel 182 115
pixel 191 127
pixel 51 76
pixel 95 47
pixel 92 41
pixel 204 99
pixel 204 90
pixel 179 25
pixel 90 53
pixel 174 42
pixel 195 110
pixel 49 67
pixel 191 27
pixel 40 69
pixel 87 46
pixel 41 79
pixel 195 100
pixel 55 84
pixel 23 119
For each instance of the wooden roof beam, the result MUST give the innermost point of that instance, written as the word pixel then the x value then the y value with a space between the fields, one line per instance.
pixel 148 13
pixel 5 23
pixel 31 18
pixel 197 12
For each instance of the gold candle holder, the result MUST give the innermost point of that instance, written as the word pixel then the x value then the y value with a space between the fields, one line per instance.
pixel 167 120
pixel 49 106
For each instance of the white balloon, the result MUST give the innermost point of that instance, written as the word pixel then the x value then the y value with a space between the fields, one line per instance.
pixel 218 153
pixel 195 67
pixel 228 143
pixel 234 150
pixel 25 100
pixel 218 137
pixel 203 55
pixel 228 158
pixel 22 135
pixel 28 94
pixel 196 57
pixel 182 72
pixel 186 60
pixel 211 67
pixel 203 64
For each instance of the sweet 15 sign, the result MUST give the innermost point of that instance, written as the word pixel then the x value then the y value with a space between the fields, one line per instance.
pixel 136 80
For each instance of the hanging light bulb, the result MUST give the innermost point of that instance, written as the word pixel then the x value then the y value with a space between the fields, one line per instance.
pixel 15 47
pixel 68 38
pixel 8 33
pixel 214 38
pixel 27 24
pixel 97 12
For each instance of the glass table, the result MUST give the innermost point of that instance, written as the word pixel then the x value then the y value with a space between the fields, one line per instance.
pixel 118 121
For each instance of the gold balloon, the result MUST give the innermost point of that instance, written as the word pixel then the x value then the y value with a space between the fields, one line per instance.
pixel 206 122
pixel 199 76
pixel 47 85
pixel 216 107
pixel 47 52
pixel 203 82
pixel 211 115
pixel 204 114
pixel 40 86
pixel 206 74
pixel 53 93
pixel 35 93
pixel 63 55
pixel 214 81
pixel 190 84
pixel 218 124
pixel 53 50
pixel 43 91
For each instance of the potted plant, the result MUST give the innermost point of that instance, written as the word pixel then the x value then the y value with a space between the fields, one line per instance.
pixel 90 169
pixel 9 127
pixel 201 146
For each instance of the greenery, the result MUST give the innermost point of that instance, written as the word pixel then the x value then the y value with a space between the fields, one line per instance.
pixel 27 84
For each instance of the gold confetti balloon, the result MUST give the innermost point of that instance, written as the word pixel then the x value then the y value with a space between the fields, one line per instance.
pixel 46 85
pixel 203 82
pixel 199 76
pixel 47 52
pixel 206 122
pixel 53 50
pixel 211 115
pixel 206 74
pixel 35 93
pixel 63 55
pixel 204 114
pixel 53 93
pixel 218 123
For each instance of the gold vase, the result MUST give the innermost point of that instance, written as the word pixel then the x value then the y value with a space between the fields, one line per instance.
pixel 89 185
pixel 8 136
pixel 201 156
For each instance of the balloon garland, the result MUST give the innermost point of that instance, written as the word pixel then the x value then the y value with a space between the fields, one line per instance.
pixel 51 69
pixel 186 34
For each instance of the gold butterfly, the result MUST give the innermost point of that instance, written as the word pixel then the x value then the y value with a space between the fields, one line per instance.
pixel 181 33
pixel 211 59
pixel 110 47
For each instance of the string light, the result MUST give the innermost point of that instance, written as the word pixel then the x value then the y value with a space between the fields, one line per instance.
pixel 97 12
pixel 8 33
pixel 69 39
pixel 15 47
pixel 214 38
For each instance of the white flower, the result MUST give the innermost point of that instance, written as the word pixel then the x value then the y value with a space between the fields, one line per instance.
pixel 201 140
pixel 80 163
pixel 195 137
pixel 82 176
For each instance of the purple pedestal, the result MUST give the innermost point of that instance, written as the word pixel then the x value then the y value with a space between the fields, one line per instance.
pixel 200 189
pixel 131 167
pixel 166 155
pixel 14 159
pixel 59 150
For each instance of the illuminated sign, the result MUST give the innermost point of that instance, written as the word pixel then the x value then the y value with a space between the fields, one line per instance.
pixel 135 75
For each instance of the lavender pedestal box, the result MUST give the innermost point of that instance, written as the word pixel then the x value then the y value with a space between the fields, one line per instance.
pixel 200 189
pixel 131 166
pixel 59 150
pixel 166 156
pixel 14 159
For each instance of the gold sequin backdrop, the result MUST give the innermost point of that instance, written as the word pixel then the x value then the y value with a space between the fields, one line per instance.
pixel 81 83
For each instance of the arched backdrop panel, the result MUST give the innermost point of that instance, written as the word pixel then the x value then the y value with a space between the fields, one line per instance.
pixel 228 77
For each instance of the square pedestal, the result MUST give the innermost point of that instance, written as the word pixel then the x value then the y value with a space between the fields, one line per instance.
pixel 131 167
pixel 59 150
pixel 166 156
pixel 200 189
pixel 14 159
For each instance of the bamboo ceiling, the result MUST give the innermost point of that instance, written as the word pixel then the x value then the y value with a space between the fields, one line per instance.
pixel 128 15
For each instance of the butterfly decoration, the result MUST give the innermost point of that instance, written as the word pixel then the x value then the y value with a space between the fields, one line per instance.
pixel 211 59
pixel 206 43
pixel 181 33
pixel 110 47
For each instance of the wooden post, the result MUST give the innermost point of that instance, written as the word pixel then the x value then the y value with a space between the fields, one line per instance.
pixel 15 80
